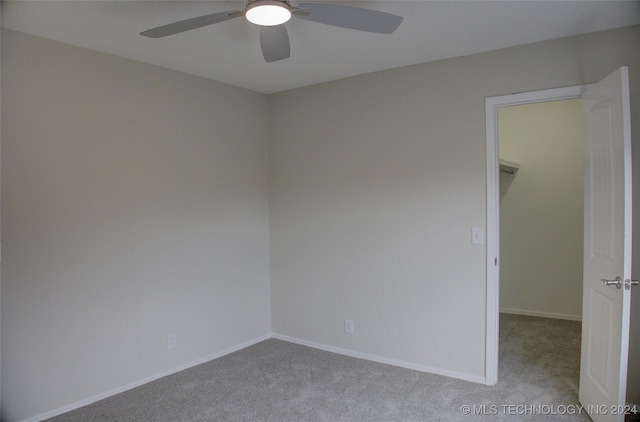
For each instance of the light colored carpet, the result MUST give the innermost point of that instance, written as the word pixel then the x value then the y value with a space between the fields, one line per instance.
pixel 279 381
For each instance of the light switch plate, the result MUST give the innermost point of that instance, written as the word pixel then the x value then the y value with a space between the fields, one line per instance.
pixel 348 326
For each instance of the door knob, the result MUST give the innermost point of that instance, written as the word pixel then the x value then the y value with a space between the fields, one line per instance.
pixel 628 283
pixel 617 282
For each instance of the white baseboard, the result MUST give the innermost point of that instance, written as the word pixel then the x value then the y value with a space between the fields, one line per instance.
pixel 393 362
pixel 541 314
pixel 118 390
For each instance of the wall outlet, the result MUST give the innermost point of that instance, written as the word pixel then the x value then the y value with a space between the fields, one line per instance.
pixel 172 341
pixel 348 326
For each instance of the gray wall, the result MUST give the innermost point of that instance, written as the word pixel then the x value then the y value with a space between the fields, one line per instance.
pixel 134 206
pixel 376 184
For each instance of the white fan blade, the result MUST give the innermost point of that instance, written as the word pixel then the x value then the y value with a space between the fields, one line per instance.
pixel 351 17
pixel 274 41
pixel 189 24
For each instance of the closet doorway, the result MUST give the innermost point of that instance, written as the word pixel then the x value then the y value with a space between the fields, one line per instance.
pixel 492 107
pixel 607 187
pixel 540 148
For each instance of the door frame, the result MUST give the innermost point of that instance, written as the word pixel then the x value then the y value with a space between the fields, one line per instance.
pixel 492 104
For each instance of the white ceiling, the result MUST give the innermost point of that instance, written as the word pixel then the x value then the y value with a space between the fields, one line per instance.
pixel 229 52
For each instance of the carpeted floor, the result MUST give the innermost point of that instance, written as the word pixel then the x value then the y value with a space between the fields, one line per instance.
pixel 279 381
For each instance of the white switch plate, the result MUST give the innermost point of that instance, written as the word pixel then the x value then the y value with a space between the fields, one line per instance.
pixel 172 341
pixel 348 326
pixel 477 236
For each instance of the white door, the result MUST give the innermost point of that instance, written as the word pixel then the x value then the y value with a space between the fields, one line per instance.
pixel 607 247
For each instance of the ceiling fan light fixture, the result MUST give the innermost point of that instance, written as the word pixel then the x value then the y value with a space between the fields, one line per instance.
pixel 268 12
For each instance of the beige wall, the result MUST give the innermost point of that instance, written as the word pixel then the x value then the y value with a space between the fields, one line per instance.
pixel 541 209
pixel 376 182
pixel 134 206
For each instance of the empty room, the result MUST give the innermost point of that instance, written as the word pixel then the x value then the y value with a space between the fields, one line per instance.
pixel 208 218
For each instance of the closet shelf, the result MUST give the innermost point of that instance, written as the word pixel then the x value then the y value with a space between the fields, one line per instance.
pixel 508 167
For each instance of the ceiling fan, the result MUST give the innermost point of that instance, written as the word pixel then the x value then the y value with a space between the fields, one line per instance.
pixel 270 15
